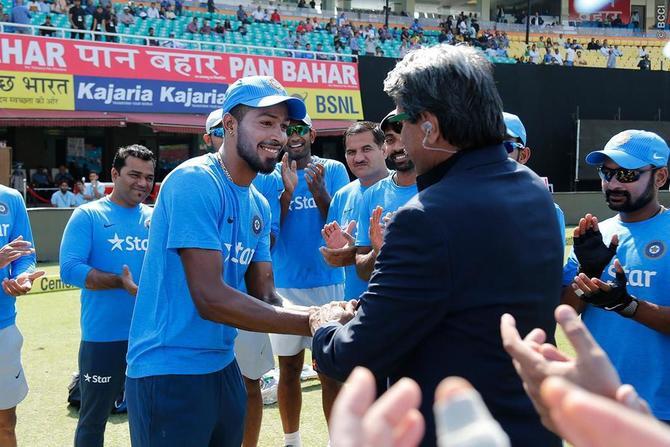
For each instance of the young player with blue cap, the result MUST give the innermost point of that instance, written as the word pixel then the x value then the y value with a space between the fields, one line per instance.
pixel 210 235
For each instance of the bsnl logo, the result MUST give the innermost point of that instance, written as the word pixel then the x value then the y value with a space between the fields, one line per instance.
pixel 302 203
pixel 129 243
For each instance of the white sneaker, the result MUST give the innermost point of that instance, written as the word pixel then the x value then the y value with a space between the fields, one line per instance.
pixel 308 373
pixel 269 389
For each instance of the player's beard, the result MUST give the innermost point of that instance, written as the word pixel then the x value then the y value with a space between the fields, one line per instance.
pixel 629 206
pixel 408 165
pixel 249 153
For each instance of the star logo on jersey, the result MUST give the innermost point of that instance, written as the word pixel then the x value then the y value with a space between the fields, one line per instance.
pixel 116 242
pixel 87 377
pixel 654 249
pixel 256 225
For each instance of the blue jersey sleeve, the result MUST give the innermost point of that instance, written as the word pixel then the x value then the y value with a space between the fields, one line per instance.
pixel 334 210
pixel 21 227
pixel 561 223
pixel 363 224
pixel 193 204
pixel 75 249
pixel 338 177
pixel 275 205
pixel 570 269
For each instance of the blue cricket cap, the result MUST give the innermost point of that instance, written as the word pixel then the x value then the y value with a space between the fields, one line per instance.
pixel 515 127
pixel 262 91
pixel 633 149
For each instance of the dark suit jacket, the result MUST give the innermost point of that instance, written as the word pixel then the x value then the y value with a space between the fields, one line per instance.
pixel 481 238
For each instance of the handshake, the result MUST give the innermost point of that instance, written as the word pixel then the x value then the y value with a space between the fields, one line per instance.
pixel 338 311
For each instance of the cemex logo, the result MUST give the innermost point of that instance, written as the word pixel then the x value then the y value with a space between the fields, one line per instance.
pixel 97 379
pixel 129 243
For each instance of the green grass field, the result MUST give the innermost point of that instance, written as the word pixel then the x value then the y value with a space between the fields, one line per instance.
pixel 50 326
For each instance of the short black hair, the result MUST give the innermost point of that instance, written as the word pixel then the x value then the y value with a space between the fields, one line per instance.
pixel 365 126
pixel 238 112
pixel 134 150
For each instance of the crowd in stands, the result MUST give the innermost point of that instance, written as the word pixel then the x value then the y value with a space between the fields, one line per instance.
pixel 61 189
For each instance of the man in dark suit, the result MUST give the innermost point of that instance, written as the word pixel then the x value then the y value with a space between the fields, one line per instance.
pixel 480 239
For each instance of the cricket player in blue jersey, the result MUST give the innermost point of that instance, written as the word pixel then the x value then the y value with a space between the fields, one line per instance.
pixel 364 153
pixel 384 198
pixel 253 350
pixel 619 271
pixel 209 236
pixel 101 252
pixel 302 276
pixel 517 149
pixel 17 268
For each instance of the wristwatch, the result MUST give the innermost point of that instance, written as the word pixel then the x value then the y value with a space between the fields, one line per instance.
pixel 629 311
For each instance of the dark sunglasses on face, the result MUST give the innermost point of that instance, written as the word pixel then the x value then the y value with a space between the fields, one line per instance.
pixel 300 129
pixel 216 132
pixel 511 145
pixel 622 175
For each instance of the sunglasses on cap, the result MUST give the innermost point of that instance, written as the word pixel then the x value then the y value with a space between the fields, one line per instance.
pixel 622 175
pixel 216 132
pixel 510 146
pixel 300 129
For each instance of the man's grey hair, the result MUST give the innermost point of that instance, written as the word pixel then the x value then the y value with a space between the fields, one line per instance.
pixel 456 85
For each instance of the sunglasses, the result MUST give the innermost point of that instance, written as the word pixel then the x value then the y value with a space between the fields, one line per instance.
pixel 622 175
pixel 216 132
pixel 510 146
pixel 300 129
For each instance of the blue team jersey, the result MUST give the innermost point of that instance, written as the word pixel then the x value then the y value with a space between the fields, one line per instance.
pixel 198 207
pixel 344 208
pixel 13 223
pixel 104 236
pixel 271 187
pixel 639 353
pixel 387 194
pixel 296 257
pixel 560 217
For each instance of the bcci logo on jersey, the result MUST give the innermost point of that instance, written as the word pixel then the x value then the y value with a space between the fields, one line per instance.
pixel 3 208
pixel 654 249
pixel 129 243
pixel 242 255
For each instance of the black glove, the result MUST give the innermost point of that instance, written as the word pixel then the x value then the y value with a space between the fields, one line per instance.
pixel 616 299
pixel 592 253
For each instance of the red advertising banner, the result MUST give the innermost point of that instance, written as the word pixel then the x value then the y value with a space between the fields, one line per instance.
pixel 609 8
pixel 87 58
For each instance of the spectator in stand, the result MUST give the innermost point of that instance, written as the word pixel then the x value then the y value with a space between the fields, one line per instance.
pixel 354 44
pixel 570 56
pixel 21 15
pixel 150 38
pixel 206 29
pixel 44 7
pixel 242 30
pixel 561 41
pixel 576 46
pixel 227 26
pixel 127 18
pixel 63 175
pixel 178 5
pixel 416 26
pixel 94 190
pixel 308 25
pixel 40 178
pixel 591 46
pixel 169 13
pixel 218 28
pixel 404 49
pixel 442 37
pixel 300 29
pixel 173 43
pixel 78 193
pixel 580 60
pixel 370 46
pixel 287 42
pixel 541 44
pixel 140 12
pixel 635 20
pixel 556 58
pixel 534 55
pixel 275 17
pixel 33 6
pixel 302 4
pixel 47 23
pixel 645 63
pixel 612 53
pixel 77 19
pixel 210 7
pixel 642 52
pixel 548 58
pixel 617 23
pixel 193 26
pixel 258 15
pixel 89 9
pixel 98 23
pixel 312 4
pixel 112 22
pixel 320 56
pixel 379 52
pixel 385 34
pixel 153 12
pixel 59 7
pixel 308 54
pixel 241 14
pixel 63 198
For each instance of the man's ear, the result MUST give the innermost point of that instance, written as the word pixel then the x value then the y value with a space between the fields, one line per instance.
pixel 207 139
pixel 661 177
pixel 524 155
